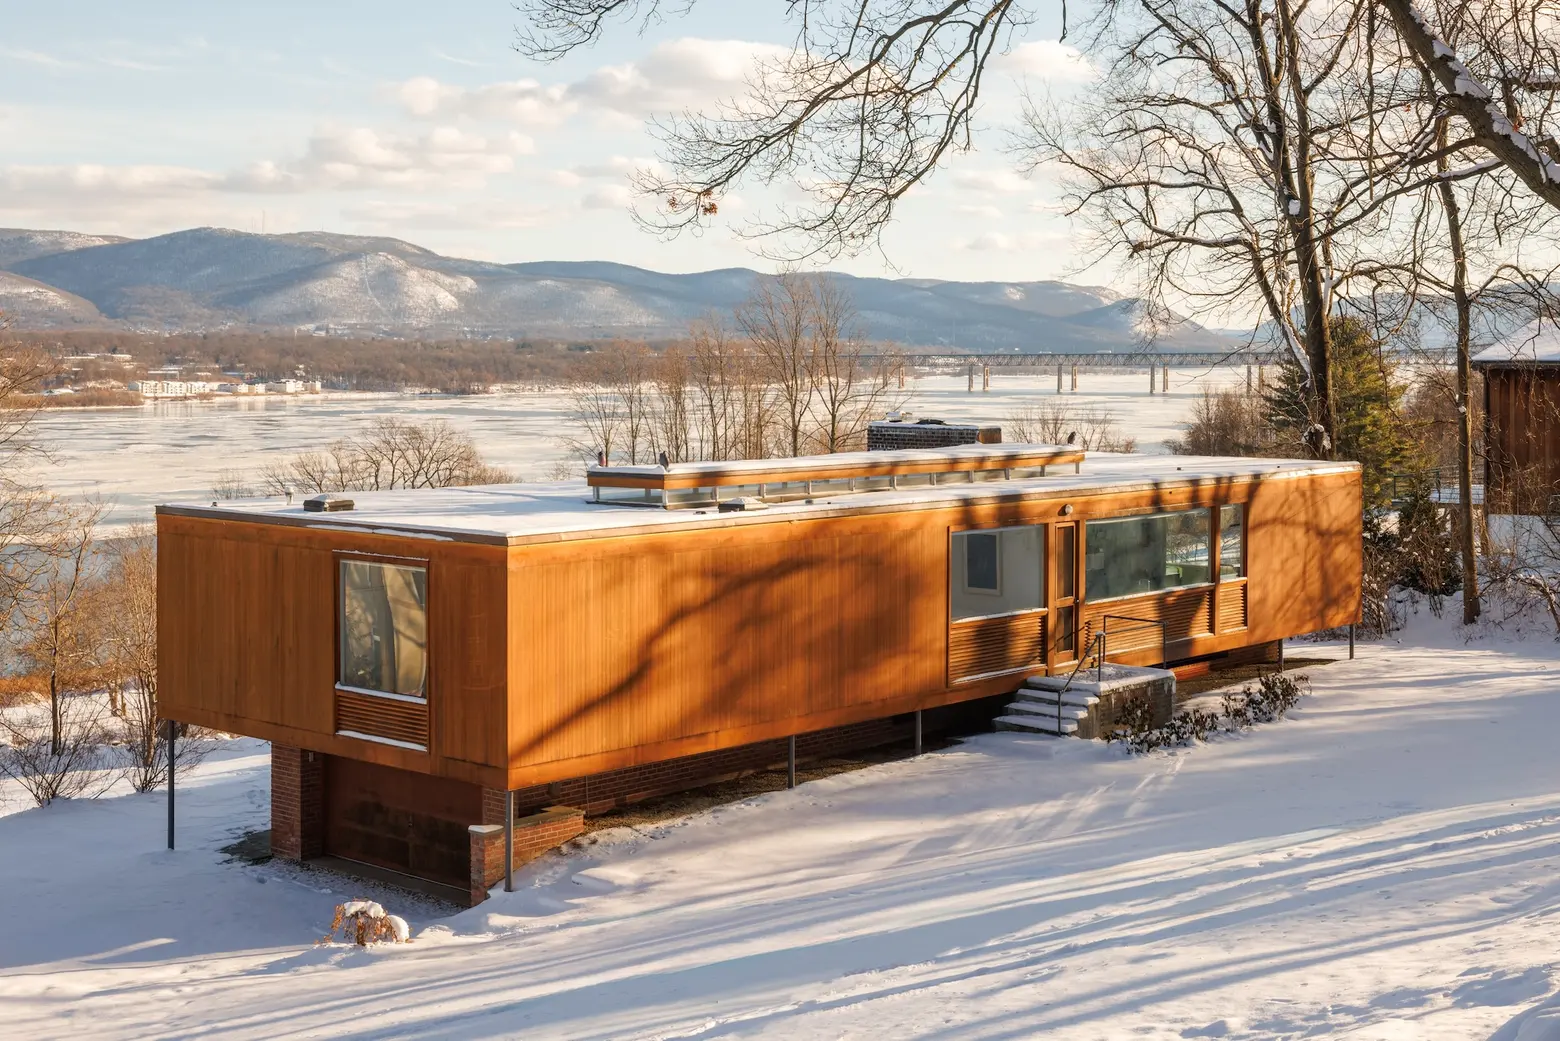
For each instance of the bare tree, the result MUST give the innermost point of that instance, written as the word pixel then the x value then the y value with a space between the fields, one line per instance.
pixel 1224 422
pixel 1234 143
pixel 130 635
pixel 777 319
pixel 27 511
pixel 59 611
pixel 59 752
pixel 871 98
pixel 849 389
pixel 610 399
pixel 1050 422
pixel 1498 70
pixel 389 453
pixel 733 404
pixel 232 484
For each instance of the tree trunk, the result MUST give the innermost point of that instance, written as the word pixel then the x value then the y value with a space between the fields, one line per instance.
pixel 1466 535
pixel 55 745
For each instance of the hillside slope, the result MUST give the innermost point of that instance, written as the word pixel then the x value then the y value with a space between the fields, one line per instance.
pixel 208 277
pixel 1382 865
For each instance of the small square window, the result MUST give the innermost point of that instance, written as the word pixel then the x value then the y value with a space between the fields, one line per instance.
pixel 982 563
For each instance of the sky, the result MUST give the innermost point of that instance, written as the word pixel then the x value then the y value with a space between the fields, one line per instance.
pixel 421 121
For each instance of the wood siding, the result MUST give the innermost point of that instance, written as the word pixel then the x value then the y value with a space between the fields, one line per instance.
pixel 630 650
pixel 1521 438
pixel 247 622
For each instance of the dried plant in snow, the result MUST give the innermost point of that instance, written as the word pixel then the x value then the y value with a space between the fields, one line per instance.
pixel 365 922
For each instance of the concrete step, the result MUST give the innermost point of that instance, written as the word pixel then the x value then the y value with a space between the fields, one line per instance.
pixel 1035 708
pixel 1048 697
pixel 1034 724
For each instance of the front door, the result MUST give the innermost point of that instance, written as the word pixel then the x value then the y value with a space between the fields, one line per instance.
pixel 1064 594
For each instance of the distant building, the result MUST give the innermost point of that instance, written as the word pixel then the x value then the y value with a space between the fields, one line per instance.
pixel 290 386
pixel 173 388
pixel 1522 422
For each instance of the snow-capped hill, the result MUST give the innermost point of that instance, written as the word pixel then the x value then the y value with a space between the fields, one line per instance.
pixel 19 244
pixel 207 277
pixel 199 262
pixel 32 304
pixel 363 289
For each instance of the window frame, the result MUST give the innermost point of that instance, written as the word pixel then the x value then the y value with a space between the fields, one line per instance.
pixel 1045 578
pixel 343 557
pixel 1244 528
pixel 996 542
pixel 1207 583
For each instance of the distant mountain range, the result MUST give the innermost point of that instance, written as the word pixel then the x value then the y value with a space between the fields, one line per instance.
pixel 209 278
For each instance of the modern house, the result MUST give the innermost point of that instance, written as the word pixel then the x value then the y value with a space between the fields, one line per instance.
pixel 422 660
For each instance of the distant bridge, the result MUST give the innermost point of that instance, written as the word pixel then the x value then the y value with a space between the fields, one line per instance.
pixel 1128 359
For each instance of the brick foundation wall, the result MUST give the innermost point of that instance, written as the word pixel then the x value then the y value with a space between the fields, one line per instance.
pixel 535 834
pixel 888 436
pixel 1257 654
pixel 598 793
pixel 297 803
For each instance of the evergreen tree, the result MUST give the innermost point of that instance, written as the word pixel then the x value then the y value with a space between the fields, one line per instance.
pixel 1368 397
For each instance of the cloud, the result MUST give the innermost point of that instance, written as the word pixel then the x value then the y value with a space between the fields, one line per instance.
pixel 95 178
pixel 979 211
pixel 334 159
pixel 1001 182
pixel 1048 60
pixel 675 75
pixel 386 216
pixel 1004 242
pixel 522 102
pixel 608 197
pixel 47 61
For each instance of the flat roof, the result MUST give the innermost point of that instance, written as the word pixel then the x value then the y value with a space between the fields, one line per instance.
pixel 1534 344
pixel 1005 455
pixel 514 514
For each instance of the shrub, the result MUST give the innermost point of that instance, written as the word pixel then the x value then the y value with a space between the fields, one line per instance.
pixel 1274 695
pixel 53 759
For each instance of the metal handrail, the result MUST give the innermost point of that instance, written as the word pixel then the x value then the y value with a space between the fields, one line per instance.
pixel 1164 640
pixel 1098 638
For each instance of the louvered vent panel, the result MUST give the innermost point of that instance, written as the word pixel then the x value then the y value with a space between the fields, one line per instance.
pixel 389 718
pixel 1189 615
pixel 994 645
pixel 1232 606
pixel 1130 628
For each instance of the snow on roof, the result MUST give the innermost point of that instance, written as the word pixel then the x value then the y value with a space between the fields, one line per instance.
pixel 1535 343
pixel 517 513
pixel 977 454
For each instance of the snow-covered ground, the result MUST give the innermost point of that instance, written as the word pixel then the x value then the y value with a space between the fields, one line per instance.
pixel 174 451
pixel 1383 865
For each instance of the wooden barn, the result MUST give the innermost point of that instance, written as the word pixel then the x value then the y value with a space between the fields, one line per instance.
pixel 444 673
pixel 1522 422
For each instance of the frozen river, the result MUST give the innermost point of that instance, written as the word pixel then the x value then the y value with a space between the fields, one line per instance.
pixel 135 458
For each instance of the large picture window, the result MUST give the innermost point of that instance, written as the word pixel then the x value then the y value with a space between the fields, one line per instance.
pixel 996 571
pixel 1146 554
pixel 384 628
